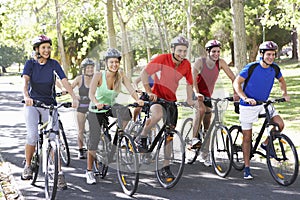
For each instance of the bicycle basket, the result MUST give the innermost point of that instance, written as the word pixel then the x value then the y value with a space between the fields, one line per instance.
pixel 222 107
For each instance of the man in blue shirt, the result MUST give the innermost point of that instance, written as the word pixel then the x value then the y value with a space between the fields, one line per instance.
pixel 258 87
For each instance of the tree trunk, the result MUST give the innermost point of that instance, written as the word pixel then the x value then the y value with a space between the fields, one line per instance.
pixel 294 44
pixel 112 41
pixel 189 28
pixel 61 48
pixel 146 40
pixel 254 48
pixel 160 34
pixel 239 34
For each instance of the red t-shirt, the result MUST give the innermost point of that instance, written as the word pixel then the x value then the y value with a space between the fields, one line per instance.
pixel 207 78
pixel 167 76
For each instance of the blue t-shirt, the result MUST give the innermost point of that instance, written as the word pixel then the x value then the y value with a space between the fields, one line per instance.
pixel 260 83
pixel 42 80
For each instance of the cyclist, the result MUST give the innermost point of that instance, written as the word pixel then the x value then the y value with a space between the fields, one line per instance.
pixel 169 69
pixel 83 83
pixel 258 88
pixel 105 87
pixel 38 84
pixel 205 74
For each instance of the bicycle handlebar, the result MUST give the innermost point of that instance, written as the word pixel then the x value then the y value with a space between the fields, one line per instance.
pixel 270 101
pixel 37 103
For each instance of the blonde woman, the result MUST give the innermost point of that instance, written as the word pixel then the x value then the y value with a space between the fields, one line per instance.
pixel 104 88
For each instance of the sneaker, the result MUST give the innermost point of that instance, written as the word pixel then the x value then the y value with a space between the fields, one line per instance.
pixel 196 143
pixel 27 173
pixel 90 178
pixel 167 174
pixel 264 147
pixel 61 182
pixel 247 174
pixel 142 145
pixel 81 154
pixel 207 161
pixel 202 157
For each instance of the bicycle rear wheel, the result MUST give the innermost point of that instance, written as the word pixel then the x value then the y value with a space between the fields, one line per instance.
pixel 127 164
pixel 101 162
pixel 187 135
pixel 51 171
pixel 282 159
pixel 64 147
pixel 221 151
pixel 237 152
pixel 170 158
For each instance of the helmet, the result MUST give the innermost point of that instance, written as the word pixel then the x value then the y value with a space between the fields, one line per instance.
pixel 113 53
pixel 267 45
pixel 179 40
pixel 36 42
pixel 212 43
pixel 86 62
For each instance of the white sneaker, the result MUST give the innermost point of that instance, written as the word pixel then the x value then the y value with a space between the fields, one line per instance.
pixel 90 178
pixel 202 157
pixel 207 161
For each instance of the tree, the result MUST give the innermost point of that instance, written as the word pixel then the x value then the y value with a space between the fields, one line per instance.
pixel 10 55
pixel 239 35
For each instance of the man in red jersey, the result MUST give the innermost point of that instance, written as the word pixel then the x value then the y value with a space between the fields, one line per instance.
pixel 169 69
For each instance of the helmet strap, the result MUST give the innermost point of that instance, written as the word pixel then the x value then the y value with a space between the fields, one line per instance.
pixel 173 55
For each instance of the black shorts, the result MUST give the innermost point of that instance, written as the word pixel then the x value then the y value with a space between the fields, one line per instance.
pixel 170 115
pixel 206 102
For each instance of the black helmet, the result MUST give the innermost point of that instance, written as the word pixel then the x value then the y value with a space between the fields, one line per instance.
pixel 36 42
pixel 267 45
pixel 179 40
pixel 113 53
pixel 86 62
pixel 212 43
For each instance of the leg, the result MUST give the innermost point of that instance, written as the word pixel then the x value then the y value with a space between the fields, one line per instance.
pixel 276 119
pixel 136 113
pixel 157 114
pixel 81 126
pixel 199 109
pixel 247 138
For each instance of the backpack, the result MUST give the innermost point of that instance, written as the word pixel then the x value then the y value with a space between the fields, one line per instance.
pixel 253 66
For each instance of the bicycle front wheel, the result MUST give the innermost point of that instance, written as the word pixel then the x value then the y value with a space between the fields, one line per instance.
pixel 51 171
pixel 170 158
pixel 35 164
pixel 221 151
pixel 101 162
pixel 127 164
pixel 282 159
pixel 187 135
pixel 64 147
pixel 237 152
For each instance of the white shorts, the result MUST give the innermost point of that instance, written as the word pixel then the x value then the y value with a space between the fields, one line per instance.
pixel 249 114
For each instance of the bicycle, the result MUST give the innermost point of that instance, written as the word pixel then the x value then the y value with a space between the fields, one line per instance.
pixel 220 146
pixel 48 149
pixel 281 154
pixel 126 157
pixel 166 150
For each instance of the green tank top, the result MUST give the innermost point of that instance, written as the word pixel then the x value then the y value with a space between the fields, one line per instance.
pixel 104 95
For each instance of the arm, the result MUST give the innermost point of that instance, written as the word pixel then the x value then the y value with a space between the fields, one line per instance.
pixel 197 70
pixel 145 81
pixel 230 74
pixel 189 94
pixel 28 100
pixel 131 90
pixel 68 87
pixel 282 85
pixel 136 82
pixel 95 82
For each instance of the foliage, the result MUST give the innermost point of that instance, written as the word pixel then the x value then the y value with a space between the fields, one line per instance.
pixel 10 55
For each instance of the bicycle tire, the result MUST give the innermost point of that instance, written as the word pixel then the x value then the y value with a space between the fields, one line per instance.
pixel 101 162
pixel 64 147
pixel 51 170
pixel 221 151
pixel 127 164
pixel 236 134
pixel 187 135
pixel 283 164
pixel 174 159
pixel 35 164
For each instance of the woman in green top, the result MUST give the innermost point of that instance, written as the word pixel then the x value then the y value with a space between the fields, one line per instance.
pixel 104 88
